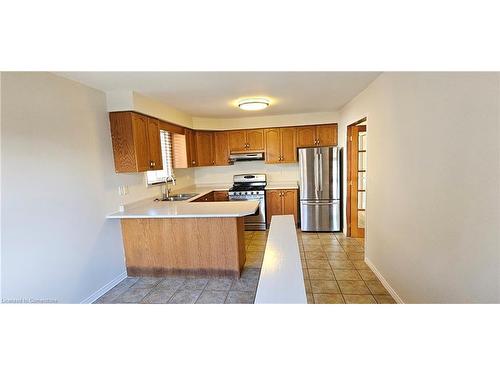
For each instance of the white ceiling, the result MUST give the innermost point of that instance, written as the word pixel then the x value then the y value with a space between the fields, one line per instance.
pixel 212 94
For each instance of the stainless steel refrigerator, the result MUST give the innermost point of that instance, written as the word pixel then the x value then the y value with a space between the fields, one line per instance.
pixel 320 190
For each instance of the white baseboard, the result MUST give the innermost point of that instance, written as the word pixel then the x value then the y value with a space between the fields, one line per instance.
pixel 96 295
pixel 384 282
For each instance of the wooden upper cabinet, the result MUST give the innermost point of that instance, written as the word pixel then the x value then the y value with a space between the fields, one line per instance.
pixel 221 148
pixel 246 140
pixel 191 147
pixel 273 145
pixel 319 135
pixel 154 144
pixel 136 142
pixel 306 136
pixel 326 135
pixel 205 148
pixel 237 140
pixel 255 140
pixel 280 145
pixel 288 145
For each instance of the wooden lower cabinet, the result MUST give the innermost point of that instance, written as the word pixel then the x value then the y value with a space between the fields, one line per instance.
pixel 210 197
pixel 184 246
pixel 220 196
pixel 281 202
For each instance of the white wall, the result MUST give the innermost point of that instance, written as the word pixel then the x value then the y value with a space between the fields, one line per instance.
pixel 274 172
pixel 433 185
pixel 265 121
pixel 58 184
pixel 128 100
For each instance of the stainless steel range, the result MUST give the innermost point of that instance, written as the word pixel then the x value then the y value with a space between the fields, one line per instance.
pixel 251 187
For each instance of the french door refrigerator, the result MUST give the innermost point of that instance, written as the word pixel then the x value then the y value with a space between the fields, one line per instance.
pixel 320 190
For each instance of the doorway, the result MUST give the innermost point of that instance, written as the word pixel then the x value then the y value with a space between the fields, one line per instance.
pixel 356 179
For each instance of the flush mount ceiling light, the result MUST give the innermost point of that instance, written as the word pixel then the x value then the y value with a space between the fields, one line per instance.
pixel 253 104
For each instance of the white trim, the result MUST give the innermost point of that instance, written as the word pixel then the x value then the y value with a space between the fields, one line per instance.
pixel 96 295
pixel 384 282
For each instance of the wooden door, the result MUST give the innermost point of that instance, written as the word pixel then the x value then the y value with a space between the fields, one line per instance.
pixel 290 203
pixel 154 144
pixel 237 140
pixel 221 148
pixel 255 140
pixel 191 147
pixel 288 141
pixel 141 146
pixel 273 146
pixel 326 135
pixel 306 136
pixel 204 148
pixel 356 180
pixel 273 204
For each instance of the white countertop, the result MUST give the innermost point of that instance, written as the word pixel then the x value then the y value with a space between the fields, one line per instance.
pixel 281 278
pixel 282 185
pixel 149 208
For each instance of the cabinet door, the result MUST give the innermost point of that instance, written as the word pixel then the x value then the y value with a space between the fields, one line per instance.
pixel 327 135
pixel 221 148
pixel 154 144
pixel 237 140
pixel 273 146
pixel 290 203
pixel 288 140
pixel 206 198
pixel 273 204
pixel 255 140
pixel 306 136
pixel 204 148
pixel 141 146
pixel 220 196
pixel 191 147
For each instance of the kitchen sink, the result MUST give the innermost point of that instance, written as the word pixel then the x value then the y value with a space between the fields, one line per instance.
pixel 178 197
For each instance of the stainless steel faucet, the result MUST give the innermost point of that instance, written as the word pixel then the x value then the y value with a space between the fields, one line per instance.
pixel 166 190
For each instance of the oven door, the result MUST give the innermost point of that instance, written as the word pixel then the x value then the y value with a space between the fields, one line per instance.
pixel 258 220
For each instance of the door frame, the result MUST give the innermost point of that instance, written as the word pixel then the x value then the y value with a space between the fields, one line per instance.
pixel 349 173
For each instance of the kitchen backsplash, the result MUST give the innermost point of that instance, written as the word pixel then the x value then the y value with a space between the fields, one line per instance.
pixel 274 172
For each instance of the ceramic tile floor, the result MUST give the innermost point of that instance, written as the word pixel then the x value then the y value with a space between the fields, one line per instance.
pixel 335 271
pixel 195 289
pixel 333 267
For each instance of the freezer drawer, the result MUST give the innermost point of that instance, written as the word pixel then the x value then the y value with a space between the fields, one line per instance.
pixel 320 216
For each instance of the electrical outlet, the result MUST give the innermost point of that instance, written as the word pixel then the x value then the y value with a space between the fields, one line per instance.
pixel 122 190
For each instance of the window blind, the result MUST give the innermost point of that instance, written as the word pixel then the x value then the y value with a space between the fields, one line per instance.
pixel 155 177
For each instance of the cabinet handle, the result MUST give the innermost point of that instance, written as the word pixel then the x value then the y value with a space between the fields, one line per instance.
pixel 151 164
pixel 193 162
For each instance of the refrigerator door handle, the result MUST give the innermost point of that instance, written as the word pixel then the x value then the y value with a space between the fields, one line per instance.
pixel 317 203
pixel 316 172
pixel 320 167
